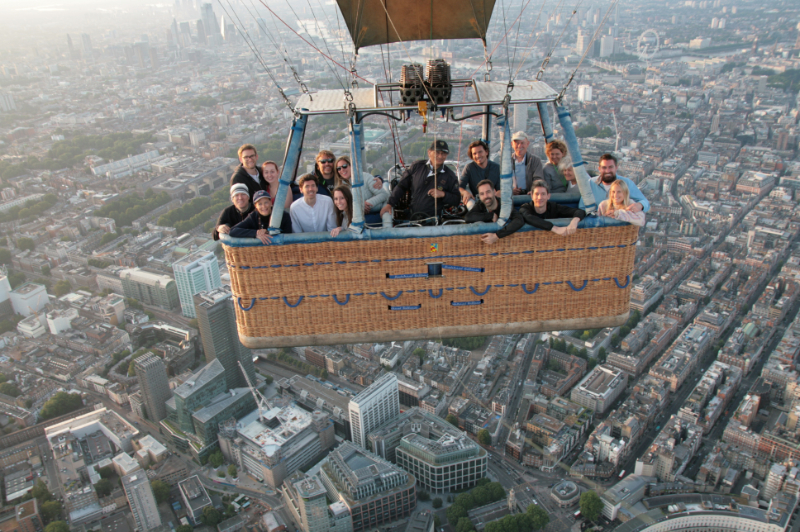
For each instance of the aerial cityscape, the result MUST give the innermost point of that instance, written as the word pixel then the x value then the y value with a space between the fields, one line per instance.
pixel 164 362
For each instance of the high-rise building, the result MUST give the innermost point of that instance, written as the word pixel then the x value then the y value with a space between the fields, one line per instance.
pixel 584 93
pixel 195 273
pixel 153 381
pixel 216 320
pixel 210 23
pixel 201 32
pixel 86 41
pixel 374 406
pixel 715 124
pixel 142 501
pixel 196 392
pixel 150 288
pixel 606 46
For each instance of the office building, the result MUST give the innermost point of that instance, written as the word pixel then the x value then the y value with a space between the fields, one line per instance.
pixel 142 501
pixel 584 93
pixel 374 491
pixel 196 272
pixel 154 384
pixel 28 299
pixel 600 388
pixel 306 499
pixel 210 24
pixel 150 288
pixel 200 404
pixel 377 404
pixel 285 439
pixel 217 323
pixel 440 456
pixel 196 392
pixel 195 498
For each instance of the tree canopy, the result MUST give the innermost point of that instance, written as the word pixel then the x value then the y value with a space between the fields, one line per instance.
pixel 60 404
pixel 468 343
pixel 591 505
pixel 484 493
pixel 57 526
pixel 160 490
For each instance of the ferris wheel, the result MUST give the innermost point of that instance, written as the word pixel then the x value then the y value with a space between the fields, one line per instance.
pixel 648 44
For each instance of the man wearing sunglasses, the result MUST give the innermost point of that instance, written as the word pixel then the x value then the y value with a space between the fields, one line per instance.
pixel 325 172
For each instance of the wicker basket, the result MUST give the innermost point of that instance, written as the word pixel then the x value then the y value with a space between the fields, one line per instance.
pixel 369 291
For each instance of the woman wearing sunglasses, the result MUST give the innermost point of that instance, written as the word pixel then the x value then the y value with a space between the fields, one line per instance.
pixel 374 195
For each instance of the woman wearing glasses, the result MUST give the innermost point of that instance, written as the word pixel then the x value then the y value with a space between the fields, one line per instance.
pixel 374 194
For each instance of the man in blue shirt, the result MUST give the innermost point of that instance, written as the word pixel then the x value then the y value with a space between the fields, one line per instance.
pixel 607 169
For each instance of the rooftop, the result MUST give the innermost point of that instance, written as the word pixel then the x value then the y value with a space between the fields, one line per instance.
pixel 210 372
pixel 279 426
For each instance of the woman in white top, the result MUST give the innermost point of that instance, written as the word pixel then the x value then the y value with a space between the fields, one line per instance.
pixel 616 206
pixel 375 196
pixel 342 207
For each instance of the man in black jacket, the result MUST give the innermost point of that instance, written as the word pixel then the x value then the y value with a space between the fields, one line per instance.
pixel 433 185
pixel 235 213
pixel 488 210
pixel 540 210
pixel 249 173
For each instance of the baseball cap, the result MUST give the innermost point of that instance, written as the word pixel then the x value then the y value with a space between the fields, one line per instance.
pixel 261 194
pixel 239 188
pixel 439 145
pixel 519 135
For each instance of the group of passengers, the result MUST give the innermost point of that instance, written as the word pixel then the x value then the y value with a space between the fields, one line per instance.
pixel 323 200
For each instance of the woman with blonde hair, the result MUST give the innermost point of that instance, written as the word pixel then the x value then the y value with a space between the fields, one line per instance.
pixel 618 203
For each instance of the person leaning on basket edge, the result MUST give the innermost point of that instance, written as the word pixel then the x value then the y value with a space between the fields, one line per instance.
pixel 488 210
pixel 541 209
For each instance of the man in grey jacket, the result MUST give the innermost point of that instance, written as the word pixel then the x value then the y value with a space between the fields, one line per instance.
pixel 525 166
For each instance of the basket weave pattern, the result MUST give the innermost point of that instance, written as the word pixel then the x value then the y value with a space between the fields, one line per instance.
pixel 353 287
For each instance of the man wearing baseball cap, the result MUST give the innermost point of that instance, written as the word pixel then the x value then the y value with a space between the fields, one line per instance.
pixel 433 185
pixel 235 213
pixel 256 225
pixel 526 166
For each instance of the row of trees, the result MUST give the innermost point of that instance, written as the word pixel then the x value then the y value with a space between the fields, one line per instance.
pixel 128 209
pixel 30 209
pixel 468 343
pixel 199 210
pixel 286 358
pixel 73 151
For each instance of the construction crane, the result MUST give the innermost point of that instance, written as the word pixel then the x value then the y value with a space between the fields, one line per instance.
pixel 261 401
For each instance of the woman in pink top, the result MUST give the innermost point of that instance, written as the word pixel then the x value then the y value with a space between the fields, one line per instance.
pixel 616 206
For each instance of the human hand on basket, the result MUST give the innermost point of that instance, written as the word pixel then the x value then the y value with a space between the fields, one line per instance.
pixel 223 229
pixel 489 238
pixel 263 235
